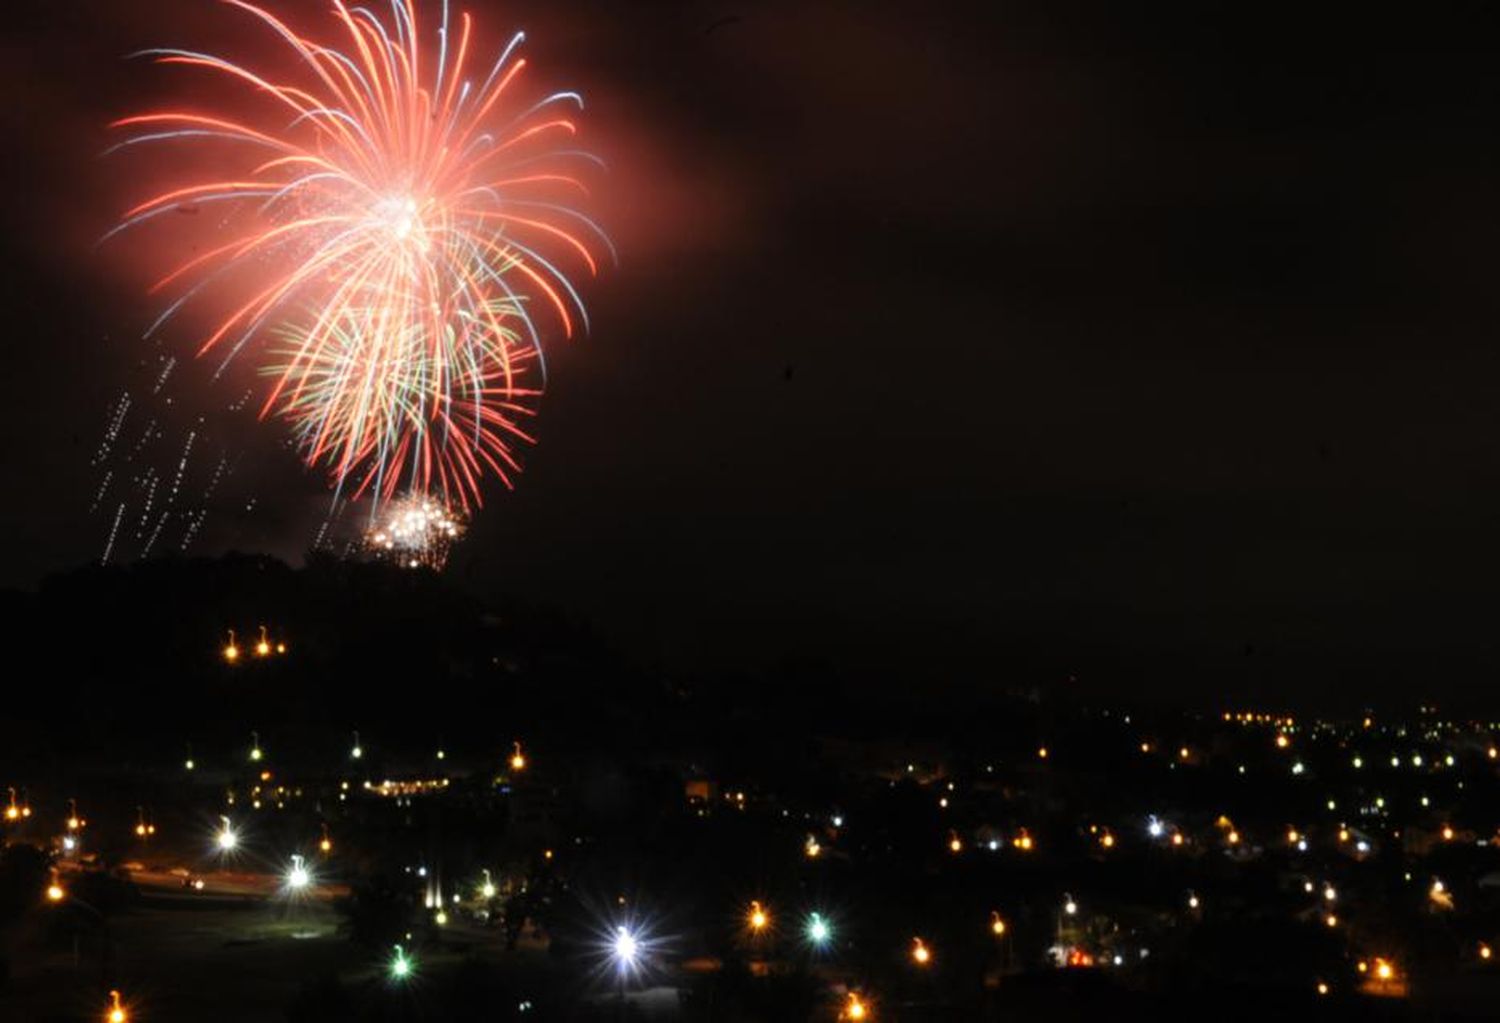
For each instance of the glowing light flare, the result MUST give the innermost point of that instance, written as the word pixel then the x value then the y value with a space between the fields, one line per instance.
pixel 625 947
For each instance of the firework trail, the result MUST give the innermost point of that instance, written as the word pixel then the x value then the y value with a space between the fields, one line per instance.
pixel 400 219
pixel 161 466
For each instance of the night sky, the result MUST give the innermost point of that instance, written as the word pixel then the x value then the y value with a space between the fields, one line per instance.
pixel 996 344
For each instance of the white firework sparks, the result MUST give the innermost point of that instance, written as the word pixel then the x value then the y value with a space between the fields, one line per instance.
pixel 416 531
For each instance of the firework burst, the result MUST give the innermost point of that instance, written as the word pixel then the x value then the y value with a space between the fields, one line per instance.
pixel 416 532
pixel 414 218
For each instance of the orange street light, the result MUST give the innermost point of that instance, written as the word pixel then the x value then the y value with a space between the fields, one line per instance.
pixel 758 919
pixel 115 1013
pixel 263 645
pixel 855 1009
pixel 231 649
pixel 997 924
pixel 920 953
pixel 518 758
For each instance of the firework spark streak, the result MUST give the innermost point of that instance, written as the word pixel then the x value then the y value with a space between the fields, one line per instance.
pixel 415 218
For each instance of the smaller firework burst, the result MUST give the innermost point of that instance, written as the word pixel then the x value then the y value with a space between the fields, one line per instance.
pixel 415 531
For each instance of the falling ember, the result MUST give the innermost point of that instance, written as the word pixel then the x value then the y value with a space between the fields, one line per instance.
pixel 415 532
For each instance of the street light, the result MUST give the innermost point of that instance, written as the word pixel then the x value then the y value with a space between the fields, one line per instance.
pixel 920 953
pixel 855 1008
pixel 997 924
pixel 357 751
pixel 263 646
pixel 115 1012
pixel 231 649
pixel 255 751
pixel 298 877
pixel 325 844
pixel 226 837
pixel 401 966
pixel 818 931
pixel 625 948
pixel 518 758
pixel 758 918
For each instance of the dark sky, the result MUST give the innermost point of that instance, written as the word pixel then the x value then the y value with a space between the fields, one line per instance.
pixel 993 341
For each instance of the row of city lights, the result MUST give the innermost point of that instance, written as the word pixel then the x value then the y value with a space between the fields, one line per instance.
pixel 263 647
